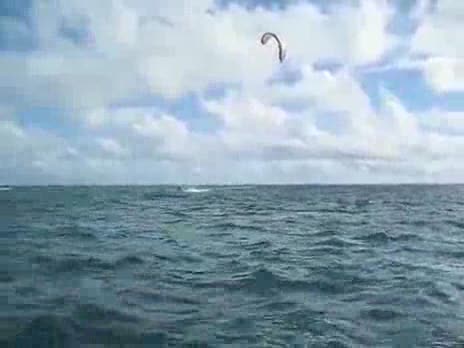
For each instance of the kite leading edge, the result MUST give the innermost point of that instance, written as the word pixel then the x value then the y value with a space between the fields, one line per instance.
pixel 267 36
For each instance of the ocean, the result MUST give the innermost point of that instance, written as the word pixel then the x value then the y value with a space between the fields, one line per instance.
pixel 232 266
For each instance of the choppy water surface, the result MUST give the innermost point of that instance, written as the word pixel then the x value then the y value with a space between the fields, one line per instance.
pixel 305 266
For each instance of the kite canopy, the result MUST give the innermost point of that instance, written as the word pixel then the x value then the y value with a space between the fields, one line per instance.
pixel 267 36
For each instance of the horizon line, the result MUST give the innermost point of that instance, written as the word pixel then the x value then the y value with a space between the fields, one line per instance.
pixel 239 184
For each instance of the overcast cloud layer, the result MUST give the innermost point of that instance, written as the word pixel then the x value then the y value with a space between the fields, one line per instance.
pixel 181 91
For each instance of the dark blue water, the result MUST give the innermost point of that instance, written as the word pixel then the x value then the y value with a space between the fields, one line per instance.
pixel 304 266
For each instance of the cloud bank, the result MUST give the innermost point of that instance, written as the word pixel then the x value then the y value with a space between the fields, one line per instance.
pixel 153 92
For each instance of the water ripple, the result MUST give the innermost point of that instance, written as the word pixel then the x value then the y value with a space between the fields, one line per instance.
pixel 278 266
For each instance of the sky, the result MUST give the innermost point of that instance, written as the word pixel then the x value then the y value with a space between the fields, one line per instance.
pixel 183 92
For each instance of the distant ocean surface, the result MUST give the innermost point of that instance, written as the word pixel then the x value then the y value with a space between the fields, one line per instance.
pixel 225 266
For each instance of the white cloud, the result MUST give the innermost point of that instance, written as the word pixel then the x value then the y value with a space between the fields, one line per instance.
pixel 438 38
pixel 141 146
pixel 421 9
pixel 12 136
pixel 439 31
pixel 324 127
pixel 110 147
pixel 72 80
pixel 26 155
pixel 255 140
pixel 372 37
pixel 444 74
pixel 327 92
pixel 176 47
pixel 442 121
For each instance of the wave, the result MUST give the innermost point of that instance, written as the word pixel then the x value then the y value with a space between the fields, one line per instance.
pixel 43 331
pixel 171 266
pixel 60 331
pixel 261 281
pixel 160 195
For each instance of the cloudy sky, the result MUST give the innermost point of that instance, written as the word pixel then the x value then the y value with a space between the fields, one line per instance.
pixel 181 91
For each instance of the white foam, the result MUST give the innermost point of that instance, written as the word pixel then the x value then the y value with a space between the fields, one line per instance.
pixel 194 190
